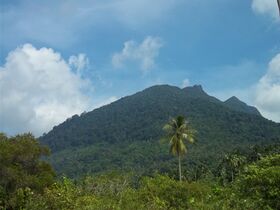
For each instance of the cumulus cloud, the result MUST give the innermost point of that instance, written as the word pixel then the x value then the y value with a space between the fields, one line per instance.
pixel 268 91
pixel 266 7
pixel 143 54
pixel 39 90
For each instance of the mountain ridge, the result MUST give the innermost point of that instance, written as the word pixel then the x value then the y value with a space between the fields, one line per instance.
pixel 118 135
pixel 238 105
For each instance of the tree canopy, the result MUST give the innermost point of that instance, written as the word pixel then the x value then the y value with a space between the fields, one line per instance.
pixel 21 168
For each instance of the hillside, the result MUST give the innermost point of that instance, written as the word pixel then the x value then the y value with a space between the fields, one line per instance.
pixel 125 134
pixel 235 104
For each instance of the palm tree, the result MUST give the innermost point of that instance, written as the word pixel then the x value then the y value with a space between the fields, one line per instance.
pixel 234 163
pixel 178 131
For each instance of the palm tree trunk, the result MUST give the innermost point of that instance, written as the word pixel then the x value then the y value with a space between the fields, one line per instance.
pixel 180 172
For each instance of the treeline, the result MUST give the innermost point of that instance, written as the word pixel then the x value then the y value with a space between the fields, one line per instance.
pixel 244 179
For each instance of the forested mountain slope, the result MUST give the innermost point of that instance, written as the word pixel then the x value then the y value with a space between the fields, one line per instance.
pixel 125 134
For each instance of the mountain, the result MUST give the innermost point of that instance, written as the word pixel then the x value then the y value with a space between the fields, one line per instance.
pixel 235 104
pixel 197 91
pixel 125 134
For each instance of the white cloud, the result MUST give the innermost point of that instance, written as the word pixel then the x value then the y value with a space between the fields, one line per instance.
pixel 143 53
pixel 185 83
pixel 268 91
pixel 79 62
pixel 39 90
pixel 266 7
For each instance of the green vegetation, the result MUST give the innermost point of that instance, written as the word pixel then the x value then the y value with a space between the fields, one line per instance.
pixel 21 170
pixel 255 186
pixel 125 134
pixel 177 130
pixel 260 182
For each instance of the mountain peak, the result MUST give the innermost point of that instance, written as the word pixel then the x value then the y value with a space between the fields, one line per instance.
pixel 195 90
pixel 233 98
pixel 195 87
pixel 238 105
pixel 198 87
pixel 162 86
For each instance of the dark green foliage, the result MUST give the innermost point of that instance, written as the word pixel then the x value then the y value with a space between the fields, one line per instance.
pixel 256 187
pixel 21 170
pixel 61 195
pixel 116 191
pixel 233 163
pixel 260 182
pixel 140 157
pixel 231 166
pixel 171 194
pixel 125 134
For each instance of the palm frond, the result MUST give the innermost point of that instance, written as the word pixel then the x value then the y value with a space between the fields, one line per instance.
pixel 183 148
pixel 174 149
pixel 177 130
pixel 185 135
pixel 190 139
pixel 180 121
pixel 173 140
pixel 174 123
pixel 167 128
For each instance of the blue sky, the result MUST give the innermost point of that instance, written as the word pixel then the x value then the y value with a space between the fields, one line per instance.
pixel 114 48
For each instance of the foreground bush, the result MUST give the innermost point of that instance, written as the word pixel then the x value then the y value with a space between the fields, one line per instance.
pixel 22 172
pixel 119 192
pixel 260 183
